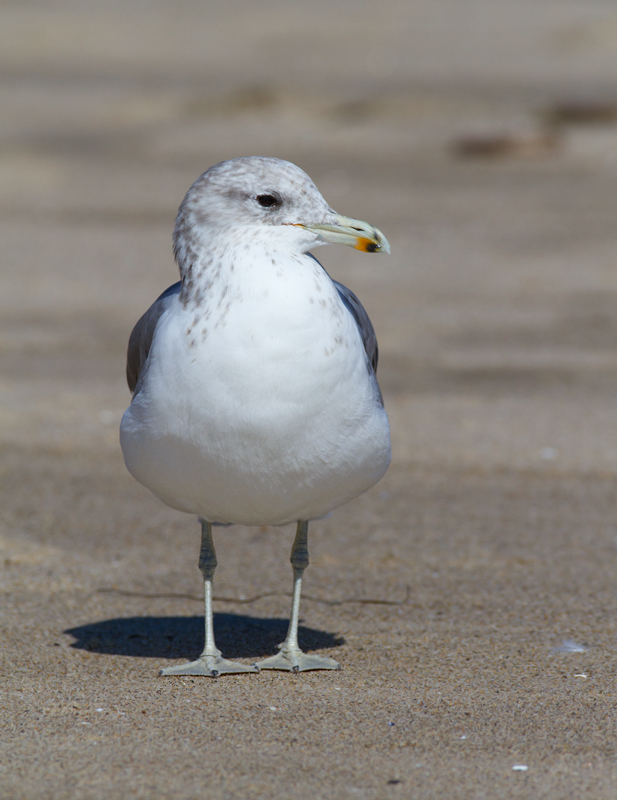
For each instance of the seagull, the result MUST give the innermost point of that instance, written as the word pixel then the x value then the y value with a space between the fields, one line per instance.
pixel 255 399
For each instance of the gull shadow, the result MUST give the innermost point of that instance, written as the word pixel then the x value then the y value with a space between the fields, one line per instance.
pixel 237 636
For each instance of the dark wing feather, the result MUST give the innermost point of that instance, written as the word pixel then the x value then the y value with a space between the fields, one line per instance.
pixel 142 334
pixel 358 312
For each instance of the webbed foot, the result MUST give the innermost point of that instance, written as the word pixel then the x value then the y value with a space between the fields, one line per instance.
pixel 212 666
pixel 297 661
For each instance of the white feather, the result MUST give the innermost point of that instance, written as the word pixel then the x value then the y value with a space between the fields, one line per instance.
pixel 258 407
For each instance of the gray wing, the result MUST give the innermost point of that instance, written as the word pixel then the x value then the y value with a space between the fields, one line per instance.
pixel 365 326
pixel 142 334
pixel 362 319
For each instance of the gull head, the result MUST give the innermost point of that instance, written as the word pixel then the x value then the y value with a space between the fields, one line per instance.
pixel 265 202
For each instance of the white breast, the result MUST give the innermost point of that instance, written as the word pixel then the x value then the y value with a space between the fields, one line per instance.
pixel 258 408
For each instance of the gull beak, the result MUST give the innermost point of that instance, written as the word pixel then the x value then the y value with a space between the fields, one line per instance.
pixel 353 232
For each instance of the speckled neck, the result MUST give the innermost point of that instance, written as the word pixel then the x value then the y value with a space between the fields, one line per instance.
pixel 198 275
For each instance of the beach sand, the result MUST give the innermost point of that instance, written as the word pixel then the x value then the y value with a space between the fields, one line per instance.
pixel 446 592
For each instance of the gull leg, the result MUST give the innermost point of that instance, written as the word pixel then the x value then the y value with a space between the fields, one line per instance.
pixel 210 661
pixel 290 657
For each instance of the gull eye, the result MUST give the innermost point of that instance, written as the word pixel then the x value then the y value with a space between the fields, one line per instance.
pixel 267 200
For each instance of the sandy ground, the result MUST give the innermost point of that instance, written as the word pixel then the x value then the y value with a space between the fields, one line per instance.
pixel 448 591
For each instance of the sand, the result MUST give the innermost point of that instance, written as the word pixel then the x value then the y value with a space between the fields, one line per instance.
pixel 447 591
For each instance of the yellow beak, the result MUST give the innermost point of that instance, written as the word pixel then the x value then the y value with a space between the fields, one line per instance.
pixel 353 232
